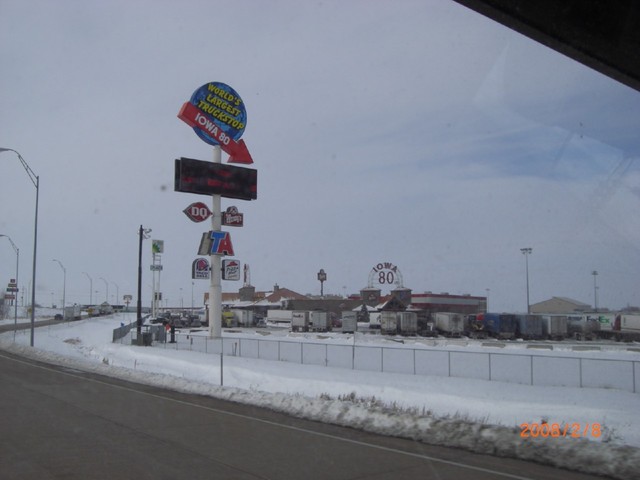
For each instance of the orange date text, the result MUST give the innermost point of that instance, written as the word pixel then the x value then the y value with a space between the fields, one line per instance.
pixel 556 430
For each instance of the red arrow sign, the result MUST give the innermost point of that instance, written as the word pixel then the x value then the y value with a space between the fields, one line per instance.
pixel 196 118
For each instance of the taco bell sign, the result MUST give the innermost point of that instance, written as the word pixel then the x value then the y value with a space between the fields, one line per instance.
pixel 200 269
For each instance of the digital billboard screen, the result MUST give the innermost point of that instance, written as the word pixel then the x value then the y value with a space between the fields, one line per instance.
pixel 209 178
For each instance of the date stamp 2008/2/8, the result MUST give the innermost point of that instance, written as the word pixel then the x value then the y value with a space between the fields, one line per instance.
pixel 555 430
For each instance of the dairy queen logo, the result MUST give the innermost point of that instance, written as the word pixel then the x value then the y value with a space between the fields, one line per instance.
pixel 232 218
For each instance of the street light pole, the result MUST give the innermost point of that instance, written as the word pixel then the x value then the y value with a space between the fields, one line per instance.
pixel 90 288
pixel 64 285
pixel 526 252
pixel 15 300
pixel 106 284
pixel 36 182
pixel 595 290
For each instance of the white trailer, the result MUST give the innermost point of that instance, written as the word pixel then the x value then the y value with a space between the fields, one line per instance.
pixel 279 318
pixel 72 312
pixel 630 323
pixel 449 323
pixel 408 323
pixel 244 317
pixel 388 323
pixel 555 327
pixel 300 321
pixel 349 322
pixel 320 321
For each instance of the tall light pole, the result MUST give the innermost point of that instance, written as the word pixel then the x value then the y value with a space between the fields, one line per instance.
pixel 15 300
pixel 64 285
pixel 322 277
pixel 486 306
pixel 90 288
pixel 106 284
pixel 526 252
pixel 595 290
pixel 36 182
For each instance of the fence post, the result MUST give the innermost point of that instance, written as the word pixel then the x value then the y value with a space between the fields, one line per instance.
pixel 531 358
pixel 414 361
pixel 580 370
pixel 489 366
pixel 353 356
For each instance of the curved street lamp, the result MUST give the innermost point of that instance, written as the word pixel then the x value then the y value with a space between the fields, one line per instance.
pixel 15 300
pixel 106 284
pixel 90 288
pixel 64 285
pixel 36 183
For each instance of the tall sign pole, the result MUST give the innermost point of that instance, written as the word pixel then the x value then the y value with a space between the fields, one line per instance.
pixel 218 116
pixel 215 286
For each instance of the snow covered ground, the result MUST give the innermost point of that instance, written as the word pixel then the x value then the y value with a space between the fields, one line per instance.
pixel 476 415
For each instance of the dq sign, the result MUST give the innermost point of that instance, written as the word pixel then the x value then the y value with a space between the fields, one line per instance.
pixel 197 212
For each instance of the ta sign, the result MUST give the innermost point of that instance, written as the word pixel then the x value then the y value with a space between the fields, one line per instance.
pixel 197 212
pixel 221 243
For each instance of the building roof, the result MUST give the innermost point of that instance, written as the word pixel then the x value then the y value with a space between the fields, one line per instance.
pixel 566 300
pixel 272 298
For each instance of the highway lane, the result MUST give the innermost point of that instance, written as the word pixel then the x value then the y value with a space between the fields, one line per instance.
pixel 58 423
pixel 9 327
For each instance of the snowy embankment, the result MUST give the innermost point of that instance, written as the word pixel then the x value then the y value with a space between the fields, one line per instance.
pixel 476 415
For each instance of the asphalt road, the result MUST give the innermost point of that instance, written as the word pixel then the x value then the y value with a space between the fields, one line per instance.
pixel 60 423
pixel 8 327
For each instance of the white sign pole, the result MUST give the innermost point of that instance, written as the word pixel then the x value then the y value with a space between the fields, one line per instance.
pixel 215 287
pixel 154 307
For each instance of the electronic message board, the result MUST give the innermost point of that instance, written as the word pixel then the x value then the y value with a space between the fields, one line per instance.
pixel 210 178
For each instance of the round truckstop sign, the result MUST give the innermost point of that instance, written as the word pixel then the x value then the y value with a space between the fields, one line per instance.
pixel 223 107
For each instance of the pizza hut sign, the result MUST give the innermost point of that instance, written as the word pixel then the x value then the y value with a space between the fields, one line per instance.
pixel 232 218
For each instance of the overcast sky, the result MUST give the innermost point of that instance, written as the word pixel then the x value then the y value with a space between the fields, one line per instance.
pixel 413 132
